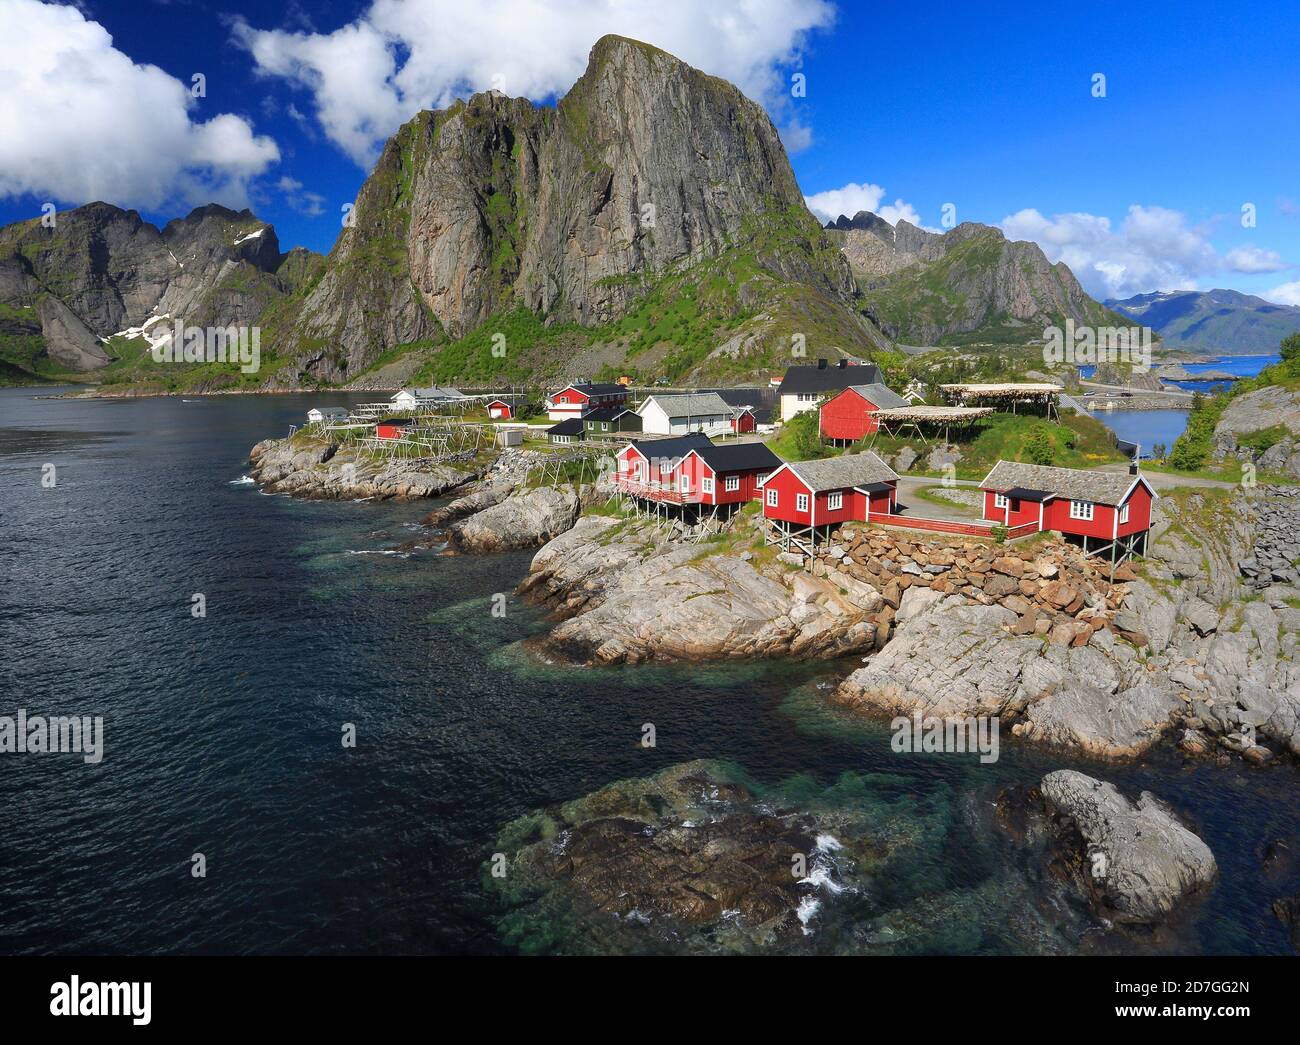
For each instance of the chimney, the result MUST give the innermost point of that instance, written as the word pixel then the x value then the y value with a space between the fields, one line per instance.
pixel 821 364
pixel 1133 467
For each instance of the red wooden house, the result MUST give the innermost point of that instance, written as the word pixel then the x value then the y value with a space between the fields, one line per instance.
pixel 1104 511
pixel 393 427
pixel 647 468
pixel 802 500
pixel 725 476
pixel 849 415
pixel 499 409
pixel 743 420
pixel 577 400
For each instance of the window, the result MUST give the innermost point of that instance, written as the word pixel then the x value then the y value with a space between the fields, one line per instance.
pixel 706 486
pixel 999 500
pixel 1081 509
pixel 1015 505
pixel 771 498
pixel 732 483
pixel 1123 514
pixel 604 426
pixel 835 501
pixel 801 502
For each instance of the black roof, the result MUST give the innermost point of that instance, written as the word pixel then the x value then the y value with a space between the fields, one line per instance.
pixel 673 448
pixel 1025 494
pixel 739 457
pixel 803 380
pixel 600 390
pixel 569 426
pixel 396 421
pixel 606 413
pixel 876 487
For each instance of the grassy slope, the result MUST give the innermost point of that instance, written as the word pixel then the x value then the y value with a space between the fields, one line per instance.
pixel 1190 455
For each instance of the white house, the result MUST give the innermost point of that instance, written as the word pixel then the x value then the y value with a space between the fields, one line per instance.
pixel 327 413
pixel 803 386
pixel 411 398
pixel 705 412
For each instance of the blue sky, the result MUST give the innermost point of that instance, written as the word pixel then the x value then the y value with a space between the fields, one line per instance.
pixel 987 107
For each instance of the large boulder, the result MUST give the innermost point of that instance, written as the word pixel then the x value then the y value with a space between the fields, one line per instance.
pixel 1135 861
pixel 1090 718
pixel 629 599
pixel 525 519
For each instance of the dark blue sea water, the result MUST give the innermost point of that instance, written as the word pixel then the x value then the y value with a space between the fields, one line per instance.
pixel 223 734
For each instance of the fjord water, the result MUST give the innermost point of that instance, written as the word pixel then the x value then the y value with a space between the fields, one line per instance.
pixel 223 733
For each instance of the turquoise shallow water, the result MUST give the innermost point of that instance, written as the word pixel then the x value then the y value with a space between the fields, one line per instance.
pixel 223 734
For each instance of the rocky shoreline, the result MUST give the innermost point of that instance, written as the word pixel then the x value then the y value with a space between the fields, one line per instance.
pixel 322 470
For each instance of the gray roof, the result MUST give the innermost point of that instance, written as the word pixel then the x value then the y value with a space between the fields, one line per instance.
pixel 836 473
pixel 699 405
pixel 884 397
pixel 1078 484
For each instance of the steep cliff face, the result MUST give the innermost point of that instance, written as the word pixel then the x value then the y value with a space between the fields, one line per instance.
pixel 968 284
pixel 645 172
pixel 101 271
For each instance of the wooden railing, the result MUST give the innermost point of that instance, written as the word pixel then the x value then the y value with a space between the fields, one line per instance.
pixel 972 529
pixel 656 491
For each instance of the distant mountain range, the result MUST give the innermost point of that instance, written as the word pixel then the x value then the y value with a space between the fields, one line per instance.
pixel 1225 321
pixel 969 285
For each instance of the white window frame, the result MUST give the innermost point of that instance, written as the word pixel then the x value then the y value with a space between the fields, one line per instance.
pixel 801 502
pixel 706 485
pixel 684 483
pixel 1082 510
pixel 999 500
pixel 835 501
pixel 773 498
pixel 1123 514
pixel 731 483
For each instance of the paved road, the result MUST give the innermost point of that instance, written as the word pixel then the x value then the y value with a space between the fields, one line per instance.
pixel 907 497
pixel 1162 481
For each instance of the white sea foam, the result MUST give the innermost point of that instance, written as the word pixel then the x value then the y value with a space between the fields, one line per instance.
pixel 243 480
pixel 807 911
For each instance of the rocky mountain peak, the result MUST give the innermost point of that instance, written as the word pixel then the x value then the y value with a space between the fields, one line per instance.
pixel 644 168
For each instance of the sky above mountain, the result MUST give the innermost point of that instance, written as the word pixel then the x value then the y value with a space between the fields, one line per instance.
pixel 1149 149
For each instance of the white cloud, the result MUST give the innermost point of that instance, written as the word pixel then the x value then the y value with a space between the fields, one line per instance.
pixel 1153 249
pixel 1254 259
pixel 854 197
pixel 401 56
pixel 795 136
pixel 1286 294
pixel 81 121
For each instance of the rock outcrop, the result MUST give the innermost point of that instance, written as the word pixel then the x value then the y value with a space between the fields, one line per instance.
pixel 628 598
pixel 1273 409
pixel 321 470
pixel 524 519
pixel 1136 862
pixel 1109 670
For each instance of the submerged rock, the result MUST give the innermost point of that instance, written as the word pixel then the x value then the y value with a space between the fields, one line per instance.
pixel 699 858
pixel 1134 861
